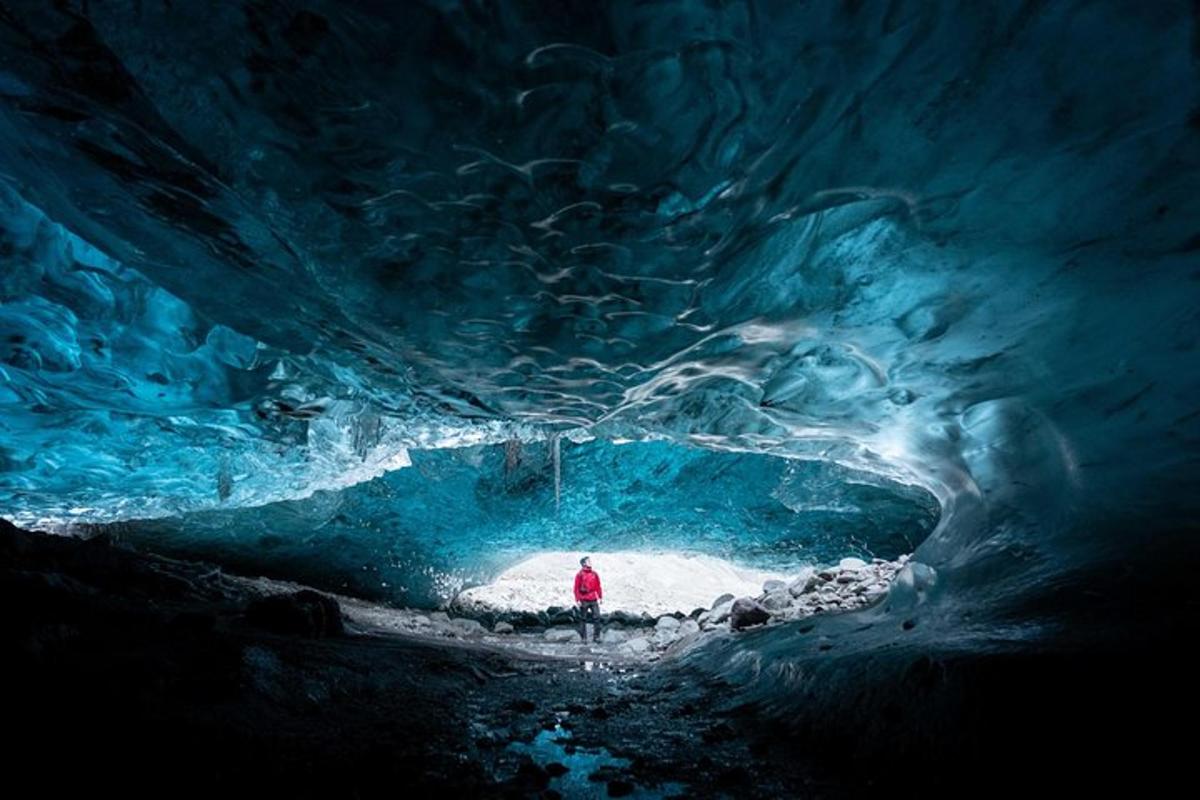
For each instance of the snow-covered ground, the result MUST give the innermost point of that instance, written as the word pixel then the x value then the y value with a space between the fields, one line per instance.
pixel 633 582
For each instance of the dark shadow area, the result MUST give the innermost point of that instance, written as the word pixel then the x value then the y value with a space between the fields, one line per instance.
pixel 147 676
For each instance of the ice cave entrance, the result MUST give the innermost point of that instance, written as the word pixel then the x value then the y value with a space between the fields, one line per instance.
pixel 635 583
pixel 681 524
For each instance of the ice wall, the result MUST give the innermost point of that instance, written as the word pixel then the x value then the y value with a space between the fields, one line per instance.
pixel 458 517
pixel 947 242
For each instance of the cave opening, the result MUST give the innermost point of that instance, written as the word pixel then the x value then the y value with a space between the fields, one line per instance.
pixel 502 524
pixel 857 339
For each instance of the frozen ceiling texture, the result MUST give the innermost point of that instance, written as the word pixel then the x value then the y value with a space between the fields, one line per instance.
pixel 265 252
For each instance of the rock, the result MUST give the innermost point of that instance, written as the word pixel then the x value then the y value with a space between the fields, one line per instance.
pixel 689 627
pixel 852 563
pixel 503 627
pixel 636 646
pixel 524 619
pixel 847 577
pixel 604 774
pixel 620 788
pixel 530 777
pixel 613 636
pixel 440 616
pixel 745 612
pixel 827 575
pixel 561 617
pixel 664 637
pixel 467 626
pixel 777 601
pixel 722 600
pixel 666 623
pixel 562 635
pixel 720 613
pixel 302 613
pixel 773 586
pixel 803 582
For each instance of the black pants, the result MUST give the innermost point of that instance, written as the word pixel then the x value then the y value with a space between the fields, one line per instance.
pixel 589 608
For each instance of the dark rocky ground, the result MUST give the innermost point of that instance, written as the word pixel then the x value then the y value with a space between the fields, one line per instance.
pixel 139 675
pixel 149 676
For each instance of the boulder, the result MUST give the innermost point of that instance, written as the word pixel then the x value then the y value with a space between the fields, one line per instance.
pixel 666 623
pixel 772 586
pixel 689 627
pixel 503 627
pixel 745 612
pixel 302 613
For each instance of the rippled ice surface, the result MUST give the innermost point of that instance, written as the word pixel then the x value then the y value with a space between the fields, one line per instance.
pixel 263 257
pixel 458 517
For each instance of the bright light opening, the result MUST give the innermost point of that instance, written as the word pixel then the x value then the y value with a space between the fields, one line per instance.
pixel 632 582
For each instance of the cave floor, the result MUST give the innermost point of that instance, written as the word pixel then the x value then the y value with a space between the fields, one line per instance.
pixel 141 673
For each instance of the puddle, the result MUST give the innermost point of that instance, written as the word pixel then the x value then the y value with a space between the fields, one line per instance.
pixel 555 747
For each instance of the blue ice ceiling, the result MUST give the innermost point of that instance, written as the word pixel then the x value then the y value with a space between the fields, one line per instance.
pixel 253 251
pixel 458 517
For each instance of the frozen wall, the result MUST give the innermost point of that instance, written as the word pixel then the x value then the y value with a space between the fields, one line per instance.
pixel 950 243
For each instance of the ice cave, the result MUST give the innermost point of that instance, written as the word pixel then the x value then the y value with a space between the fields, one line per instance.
pixel 853 341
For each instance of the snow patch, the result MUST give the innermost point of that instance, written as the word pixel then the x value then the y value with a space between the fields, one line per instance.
pixel 633 582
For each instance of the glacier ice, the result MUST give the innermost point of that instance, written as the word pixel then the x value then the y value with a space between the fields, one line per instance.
pixel 260 258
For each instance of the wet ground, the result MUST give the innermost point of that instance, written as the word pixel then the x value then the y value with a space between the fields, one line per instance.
pixel 145 675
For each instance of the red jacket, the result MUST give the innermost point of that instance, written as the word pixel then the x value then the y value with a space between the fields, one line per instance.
pixel 587 586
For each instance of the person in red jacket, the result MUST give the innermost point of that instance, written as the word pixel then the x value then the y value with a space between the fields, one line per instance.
pixel 588 595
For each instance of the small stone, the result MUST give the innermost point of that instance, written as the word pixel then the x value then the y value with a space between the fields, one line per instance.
pixel 720 613
pixel 746 612
pixel 613 636
pixel 666 623
pixel 852 564
pixel 777 601
pixel 689 627
pixel 467 627
pixel 503 627
pixel 803 582
pixel 620 788
pixel 637 646
pixel 772 586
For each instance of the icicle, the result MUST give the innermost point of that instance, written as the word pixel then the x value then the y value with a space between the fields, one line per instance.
pixel 557 471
